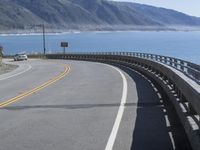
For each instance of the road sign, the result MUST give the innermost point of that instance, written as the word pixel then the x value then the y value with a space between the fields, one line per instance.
pixel 64 45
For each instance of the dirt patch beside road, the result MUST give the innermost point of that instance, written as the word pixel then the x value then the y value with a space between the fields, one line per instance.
pixel 5 68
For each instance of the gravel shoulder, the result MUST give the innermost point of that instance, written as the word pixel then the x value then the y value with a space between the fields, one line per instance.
pixel 5 68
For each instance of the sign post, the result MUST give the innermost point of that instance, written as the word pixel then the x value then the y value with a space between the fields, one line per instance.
pixel 1 54
pixel 64 45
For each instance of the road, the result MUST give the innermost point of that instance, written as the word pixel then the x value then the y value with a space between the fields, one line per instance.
pixel 74 105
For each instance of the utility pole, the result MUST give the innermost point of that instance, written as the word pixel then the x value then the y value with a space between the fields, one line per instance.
pixel 1 54
pixel 44 39
pixel 43 35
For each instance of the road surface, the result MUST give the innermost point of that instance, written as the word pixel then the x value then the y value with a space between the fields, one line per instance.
pixel 75 105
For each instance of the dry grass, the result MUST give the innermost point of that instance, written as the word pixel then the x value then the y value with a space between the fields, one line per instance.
pixel 5 68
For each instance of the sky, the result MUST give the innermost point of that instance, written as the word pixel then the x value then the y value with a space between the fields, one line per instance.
pixel 191 7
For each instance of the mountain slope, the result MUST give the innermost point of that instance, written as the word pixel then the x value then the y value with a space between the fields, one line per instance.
pixel 88 14
pixel 13 16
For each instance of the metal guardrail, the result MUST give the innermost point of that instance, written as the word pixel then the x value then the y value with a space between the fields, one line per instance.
pixel 184 97
pixel 190 69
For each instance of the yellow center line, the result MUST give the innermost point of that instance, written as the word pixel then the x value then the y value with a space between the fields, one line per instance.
pixel 36 89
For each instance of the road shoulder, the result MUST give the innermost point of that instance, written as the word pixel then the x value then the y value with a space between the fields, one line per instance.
pixel 5 68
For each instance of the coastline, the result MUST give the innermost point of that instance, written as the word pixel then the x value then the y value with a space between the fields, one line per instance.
pixel 63 31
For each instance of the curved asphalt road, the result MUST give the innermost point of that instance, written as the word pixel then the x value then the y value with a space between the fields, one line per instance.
pixel 79 111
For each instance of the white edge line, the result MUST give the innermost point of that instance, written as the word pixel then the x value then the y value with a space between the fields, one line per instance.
pixel 118 119
pixel 29 67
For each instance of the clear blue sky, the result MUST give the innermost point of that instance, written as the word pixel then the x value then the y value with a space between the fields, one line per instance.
pixel 191 7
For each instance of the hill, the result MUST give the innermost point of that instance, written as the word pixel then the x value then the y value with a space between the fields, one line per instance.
pixel 89 15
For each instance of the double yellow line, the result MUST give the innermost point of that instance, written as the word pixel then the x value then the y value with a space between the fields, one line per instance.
pixel 30 92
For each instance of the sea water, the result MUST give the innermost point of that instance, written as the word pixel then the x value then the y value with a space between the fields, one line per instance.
pixel 184 45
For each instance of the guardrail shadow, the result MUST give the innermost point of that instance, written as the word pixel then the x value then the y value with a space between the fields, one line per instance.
pixel 73 106
pixel 157 126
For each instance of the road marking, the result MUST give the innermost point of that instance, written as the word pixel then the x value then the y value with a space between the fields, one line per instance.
pixel 118 119
pixel 29 67
pixel 30 92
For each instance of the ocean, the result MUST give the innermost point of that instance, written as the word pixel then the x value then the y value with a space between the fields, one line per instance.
pixel 184 45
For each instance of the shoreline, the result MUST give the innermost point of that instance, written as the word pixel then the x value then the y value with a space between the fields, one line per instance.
pixel 79 32
pixel 60 32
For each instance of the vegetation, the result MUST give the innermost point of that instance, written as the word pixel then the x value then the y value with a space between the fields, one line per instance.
pixel 88 15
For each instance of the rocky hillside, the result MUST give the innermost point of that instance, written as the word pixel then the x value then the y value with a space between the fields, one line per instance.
pixel 89 15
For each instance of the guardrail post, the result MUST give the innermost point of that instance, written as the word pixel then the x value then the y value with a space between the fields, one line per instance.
pixel 165 60
pixel 156 57
pixel 182 67
pixel 151 56
pixel 191 109
pixel 175 63
pixel 160 58
pixel 170 62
